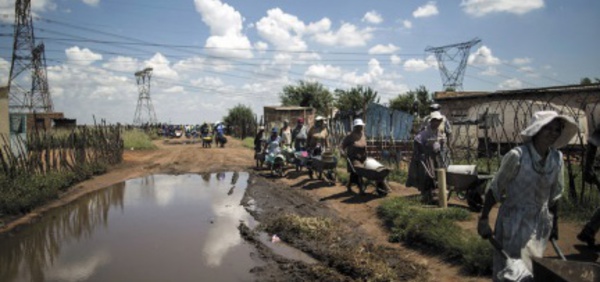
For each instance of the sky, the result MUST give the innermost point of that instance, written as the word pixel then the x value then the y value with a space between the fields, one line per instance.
pixel 209 56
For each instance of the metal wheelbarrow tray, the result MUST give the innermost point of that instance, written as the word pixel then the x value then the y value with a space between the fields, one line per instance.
pixel 546 269
pixel 467 184
pixel 327 166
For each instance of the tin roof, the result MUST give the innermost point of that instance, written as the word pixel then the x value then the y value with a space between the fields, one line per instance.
pixel 448 95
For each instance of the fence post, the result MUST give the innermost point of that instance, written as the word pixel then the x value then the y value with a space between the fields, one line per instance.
pixel 441 180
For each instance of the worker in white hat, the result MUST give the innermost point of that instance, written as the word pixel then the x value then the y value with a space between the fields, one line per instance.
pixel 429 149
pixel 317 136
pixel 354 146
pixel 528 184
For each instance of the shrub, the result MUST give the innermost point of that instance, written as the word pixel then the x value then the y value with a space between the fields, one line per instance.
pixel 248 142
pixel 137 140
pixel 436 229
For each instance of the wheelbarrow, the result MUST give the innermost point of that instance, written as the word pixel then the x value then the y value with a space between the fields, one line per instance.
pixel 373 171
pixel 323 164
pixel 467 184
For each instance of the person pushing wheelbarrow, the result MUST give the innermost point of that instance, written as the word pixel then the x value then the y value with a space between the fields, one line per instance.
pixel 528 184
pixel 354 146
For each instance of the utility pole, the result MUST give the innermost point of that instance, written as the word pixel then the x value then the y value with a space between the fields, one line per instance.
pixel 144 111
pixel 453 79
pixel 28 65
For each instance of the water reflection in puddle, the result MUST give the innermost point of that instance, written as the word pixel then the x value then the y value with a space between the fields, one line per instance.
pixel 157 228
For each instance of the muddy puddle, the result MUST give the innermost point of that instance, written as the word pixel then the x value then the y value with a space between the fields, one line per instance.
pixel 156 228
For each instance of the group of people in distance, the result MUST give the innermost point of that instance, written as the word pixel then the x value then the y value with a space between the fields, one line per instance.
pixel 528 185
pixel 300 137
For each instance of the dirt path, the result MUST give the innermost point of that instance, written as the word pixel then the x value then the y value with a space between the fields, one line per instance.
pixel 178 158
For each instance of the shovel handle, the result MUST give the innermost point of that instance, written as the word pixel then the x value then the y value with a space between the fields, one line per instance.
pixel 498 247
pixel 557 250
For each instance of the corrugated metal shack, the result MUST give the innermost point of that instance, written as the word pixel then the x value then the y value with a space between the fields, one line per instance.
pixel 275 115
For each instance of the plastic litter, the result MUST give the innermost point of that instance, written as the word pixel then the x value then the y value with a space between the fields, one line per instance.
pixel 275 239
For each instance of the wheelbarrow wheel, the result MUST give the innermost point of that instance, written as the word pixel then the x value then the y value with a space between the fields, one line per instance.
pixel 332 177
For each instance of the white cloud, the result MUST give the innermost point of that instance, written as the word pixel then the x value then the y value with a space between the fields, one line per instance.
pixel 430 9
pixel 375 71
pixel 209 82
pixel 347 36
pixel 174 89
pixel 323 71
pixel 124 64
pixel 161 67
pixel 82 57
pixel 521 61
pixel 261 46
pixel 225 25
pixel 395 59
pixel 91 2
pixel 283 30
pixel 383 49
pixel 418 65
pixel 372 17
pixel 309 56
pixel 415 65
pixel 483 56
pixel 490 71
pixel 512 83
pixel 407 24
pixel 482 7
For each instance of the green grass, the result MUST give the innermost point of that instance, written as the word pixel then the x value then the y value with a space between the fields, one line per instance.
pixel 248 142
pixel 435 229
pixel 136 139
pixel 24 192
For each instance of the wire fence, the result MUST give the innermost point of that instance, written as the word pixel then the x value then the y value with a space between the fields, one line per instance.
pixel 485 127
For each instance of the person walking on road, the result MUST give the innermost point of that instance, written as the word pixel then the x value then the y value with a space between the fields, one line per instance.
pixel 528 185
pixel 354 146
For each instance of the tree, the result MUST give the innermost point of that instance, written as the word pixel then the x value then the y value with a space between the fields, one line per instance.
pixel 355 100
pixel 403 102
pixel 241 119
pixel 307 94
pixel 406 101
pixel 588 81
pixel 585 81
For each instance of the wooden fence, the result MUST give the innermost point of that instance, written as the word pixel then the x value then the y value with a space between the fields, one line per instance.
pixel 50 151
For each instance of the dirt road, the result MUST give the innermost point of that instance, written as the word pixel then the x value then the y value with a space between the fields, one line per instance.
pixel 306 196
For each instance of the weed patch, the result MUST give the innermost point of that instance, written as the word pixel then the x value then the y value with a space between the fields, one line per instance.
pixel 136 139
pixel 248 142
pixel 328 242
pixel 435 229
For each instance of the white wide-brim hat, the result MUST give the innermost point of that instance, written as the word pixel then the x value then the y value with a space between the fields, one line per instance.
pixel 358 122
pixel 541 118
pixel 436 115
pixel 318 118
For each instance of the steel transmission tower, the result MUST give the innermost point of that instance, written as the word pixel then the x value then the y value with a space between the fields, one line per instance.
pixel 453 79
pixel 28 65
pixel 144 112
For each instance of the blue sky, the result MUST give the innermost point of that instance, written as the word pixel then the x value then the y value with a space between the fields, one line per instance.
pixel 210 55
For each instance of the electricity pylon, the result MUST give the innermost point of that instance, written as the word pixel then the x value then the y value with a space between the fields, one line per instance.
pixel 453 79
pixel 144 112
pixel 28 65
